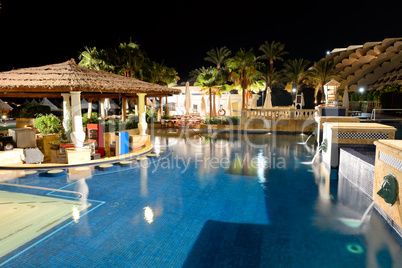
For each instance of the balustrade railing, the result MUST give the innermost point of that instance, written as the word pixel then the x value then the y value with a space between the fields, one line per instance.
pixel 283 113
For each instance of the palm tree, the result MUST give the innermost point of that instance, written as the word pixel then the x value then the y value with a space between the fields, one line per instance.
pixel 242 66
pixel 218 56
pixel 270 78
pixel 272 52
pixel 296 71
pixel 91 58
pixel 161 74
pixel 210 79
pixel 321 73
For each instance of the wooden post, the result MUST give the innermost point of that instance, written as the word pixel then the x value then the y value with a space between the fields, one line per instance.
pixel 160 109
pixel 166 107
pixel 123 109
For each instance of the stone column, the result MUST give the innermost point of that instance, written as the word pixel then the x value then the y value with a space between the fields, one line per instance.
pixel 89 114
pixel 66 112
pixel 142 125
pixel 78 134
pixel 102 108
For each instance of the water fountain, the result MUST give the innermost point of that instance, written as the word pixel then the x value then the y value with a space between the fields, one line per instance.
pixel 388 191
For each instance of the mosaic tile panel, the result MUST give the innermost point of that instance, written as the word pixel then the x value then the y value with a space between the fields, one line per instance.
pixel 390 160
pixel 364 136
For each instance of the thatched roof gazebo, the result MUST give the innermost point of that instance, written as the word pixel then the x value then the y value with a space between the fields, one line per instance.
pixel 52 80
pixel 68 80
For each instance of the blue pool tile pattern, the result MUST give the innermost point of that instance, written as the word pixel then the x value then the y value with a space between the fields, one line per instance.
pixel 190 208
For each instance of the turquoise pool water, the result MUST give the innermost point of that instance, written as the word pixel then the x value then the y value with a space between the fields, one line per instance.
pixel 241 201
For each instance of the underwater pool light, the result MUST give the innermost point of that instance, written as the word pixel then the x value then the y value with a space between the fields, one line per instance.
pixel 354 248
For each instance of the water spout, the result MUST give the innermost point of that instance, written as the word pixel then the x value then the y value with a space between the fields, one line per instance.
pixel 315 156
pixel 305 142
pixel 354 223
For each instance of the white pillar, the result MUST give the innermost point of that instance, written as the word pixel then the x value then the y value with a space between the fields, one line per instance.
pixel 78 134
pixel 66 112
pixel 102 108
pixel 142 125
pixel 89 114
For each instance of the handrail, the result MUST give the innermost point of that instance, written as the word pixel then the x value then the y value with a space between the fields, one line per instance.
pixel 41 188
pixel 373 112
pixel 274 113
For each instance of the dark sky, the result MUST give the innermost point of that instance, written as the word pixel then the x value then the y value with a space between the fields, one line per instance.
pixel 37 32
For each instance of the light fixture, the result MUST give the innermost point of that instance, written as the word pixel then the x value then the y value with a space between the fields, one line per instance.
pixel 293 90
pixel 361 89
pixel 328 52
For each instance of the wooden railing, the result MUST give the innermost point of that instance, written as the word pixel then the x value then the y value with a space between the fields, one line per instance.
pixel 276 113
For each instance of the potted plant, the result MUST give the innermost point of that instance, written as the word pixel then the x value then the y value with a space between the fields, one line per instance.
pixel 48 124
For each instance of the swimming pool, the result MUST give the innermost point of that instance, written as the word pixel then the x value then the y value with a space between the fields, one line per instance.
pixel 243 201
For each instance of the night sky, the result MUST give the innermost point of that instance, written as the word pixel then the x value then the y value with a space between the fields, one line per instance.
pixel 38 32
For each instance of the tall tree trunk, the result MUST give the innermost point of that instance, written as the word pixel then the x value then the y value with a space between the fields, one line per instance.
pixel 127 72
pixel 271 72
pixel 210 103
pixel 214 108
pixel 244 85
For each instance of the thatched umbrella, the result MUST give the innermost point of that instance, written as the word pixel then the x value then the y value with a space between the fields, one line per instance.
pixel 46 102
pixel 84 105
pixel 4 106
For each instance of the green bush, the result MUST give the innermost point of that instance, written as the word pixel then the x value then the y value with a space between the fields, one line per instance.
pixel 353 96
pixel 92 120
pixel 48 124
pixel 151 115
pixel 29 111
pixel 132 122
pixel 391 100
pixel 223 120
pixel 165 116
pixel 392 88
pixel 117 125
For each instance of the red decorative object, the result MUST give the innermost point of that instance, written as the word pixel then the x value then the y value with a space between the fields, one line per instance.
pixel 95 132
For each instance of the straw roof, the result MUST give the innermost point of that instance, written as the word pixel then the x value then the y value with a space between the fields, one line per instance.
pixel 4 106
pixel 68 76
pixel 84 104
pixel 47 102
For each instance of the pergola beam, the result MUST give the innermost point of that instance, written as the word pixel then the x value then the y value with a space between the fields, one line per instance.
pixel 87 95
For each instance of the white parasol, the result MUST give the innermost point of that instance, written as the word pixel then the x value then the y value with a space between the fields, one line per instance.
pixel 268 101
pixel 188 98
pixel 203 107
pixel 229 105
pixel 345 101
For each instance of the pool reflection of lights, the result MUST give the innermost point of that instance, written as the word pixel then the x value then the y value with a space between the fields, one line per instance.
pixel 148 215
pixel 76 214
